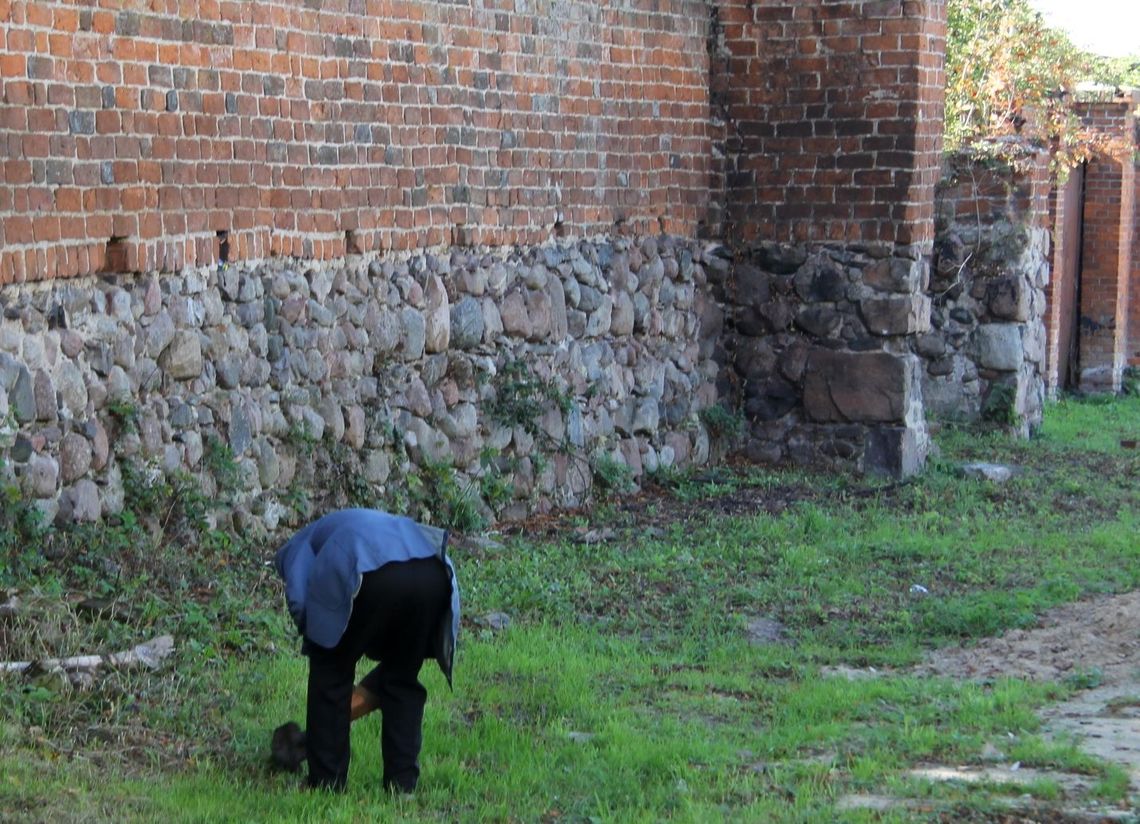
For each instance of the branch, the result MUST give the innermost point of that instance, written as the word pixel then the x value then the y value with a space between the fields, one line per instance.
pixel 149 655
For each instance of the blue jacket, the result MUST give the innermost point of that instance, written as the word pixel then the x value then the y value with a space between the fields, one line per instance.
pixel 322 566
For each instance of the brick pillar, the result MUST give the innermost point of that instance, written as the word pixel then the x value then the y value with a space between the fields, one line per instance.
pixel 1061 292
pixel 1107 266
pixel 1132 348
pixel 831 153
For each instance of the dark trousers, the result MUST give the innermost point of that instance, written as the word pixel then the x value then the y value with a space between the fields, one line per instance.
pixel 394 618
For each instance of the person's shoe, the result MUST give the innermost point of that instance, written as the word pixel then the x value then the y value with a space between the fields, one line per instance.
pixel 325 786
pixel 401 785
pixel 287 749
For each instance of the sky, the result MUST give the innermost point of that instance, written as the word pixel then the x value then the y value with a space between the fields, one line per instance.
pixel 1106 27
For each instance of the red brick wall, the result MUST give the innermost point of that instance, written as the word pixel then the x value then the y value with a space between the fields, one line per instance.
pixel 305 127
pixel 982 192
pixel 1109 222
pixel 833 118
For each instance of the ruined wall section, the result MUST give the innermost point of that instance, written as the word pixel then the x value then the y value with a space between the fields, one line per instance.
pixel 985 354
pixel 831 151
pixel 160 135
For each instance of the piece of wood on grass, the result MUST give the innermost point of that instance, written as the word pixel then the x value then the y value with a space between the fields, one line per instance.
pixel 148 655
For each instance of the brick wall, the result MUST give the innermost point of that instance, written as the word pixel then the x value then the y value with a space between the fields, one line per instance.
pixel 1107 253
pixel 163 134
pixel 830 118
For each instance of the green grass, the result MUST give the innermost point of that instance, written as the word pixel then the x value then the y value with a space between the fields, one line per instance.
pixel 626 687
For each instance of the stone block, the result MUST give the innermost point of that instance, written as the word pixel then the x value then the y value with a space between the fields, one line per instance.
pixel 897 275
pixel 1009 298
pixel 182 358
pixel 437 318
pixel 897 451
pixel 863 387
pixel 896 315
pixel 998 346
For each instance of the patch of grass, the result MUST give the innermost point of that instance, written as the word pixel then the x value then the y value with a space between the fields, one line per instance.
pixel 626 687
pixel 1114 785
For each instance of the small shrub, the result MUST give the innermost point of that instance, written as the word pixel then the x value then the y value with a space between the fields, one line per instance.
pixel 521 398
pixel 612 474
pixel 21 534
pixel 438 497
pixel 126 412
pixel 1000 405
pixel 495 486
pixel 723 423
pixel 219 461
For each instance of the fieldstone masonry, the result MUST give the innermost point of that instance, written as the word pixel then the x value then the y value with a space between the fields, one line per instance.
pixel 393 360
pixel 347 227
pixel 818 339
pixel 984 355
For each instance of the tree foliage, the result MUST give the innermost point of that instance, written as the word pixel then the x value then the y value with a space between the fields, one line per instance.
pixel 1010 79
pixel 1120 72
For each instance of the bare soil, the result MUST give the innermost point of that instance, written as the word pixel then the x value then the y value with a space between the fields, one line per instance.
pixel 1094 643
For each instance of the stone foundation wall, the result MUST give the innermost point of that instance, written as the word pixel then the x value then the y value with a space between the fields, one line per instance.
pixel 984 356
pixel 515 374
pixel 818 344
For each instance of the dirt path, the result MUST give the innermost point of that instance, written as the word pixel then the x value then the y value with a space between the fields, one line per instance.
pixel 1074 641
pixel 1093 642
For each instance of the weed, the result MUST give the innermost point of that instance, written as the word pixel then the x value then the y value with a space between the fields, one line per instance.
pixel 495 485
pixel 218 459
pixel 612 474
pixel 341 475
pixel 125 411
pixel 1085 679
pixel 1130 383
pixel 1114 785
pixel 437 496
pixel 521 398
pixel 723 424
pixel 301 437
pixel 22 534
pixel 1000 405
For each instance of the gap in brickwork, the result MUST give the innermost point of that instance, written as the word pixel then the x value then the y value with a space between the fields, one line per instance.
pixel 115 256
pixel 352 243
pixel 223 245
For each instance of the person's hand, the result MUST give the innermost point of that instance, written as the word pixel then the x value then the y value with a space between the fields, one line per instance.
pixel 287 749
pixel 363 702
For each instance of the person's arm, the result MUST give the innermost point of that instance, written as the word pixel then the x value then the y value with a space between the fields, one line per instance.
pixel 363 702
pixel 292 563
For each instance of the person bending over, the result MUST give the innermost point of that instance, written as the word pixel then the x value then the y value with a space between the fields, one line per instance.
pixel 361 582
